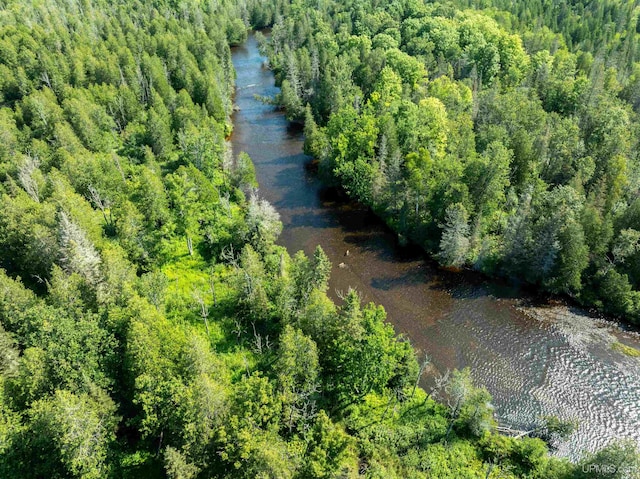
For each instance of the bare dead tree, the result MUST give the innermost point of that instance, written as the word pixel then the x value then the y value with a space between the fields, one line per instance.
pixel 100 202
pixel 77 253
pixel 342 295
pixel 454 391
pixel 46 79
pixel 225 202
pixel 212 286
pixel 227 158
pixel 25 176
pixel 440 383
pixel 227 255
pixel 302 409
pixel 423 366
pixel 116 161
pixel 204 311
pixel 246 363
pixel 260 344
pixel 238 329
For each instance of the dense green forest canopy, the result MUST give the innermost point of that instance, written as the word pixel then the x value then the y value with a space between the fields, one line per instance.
pixel 150 327
pixel 608 29
pixel 515 155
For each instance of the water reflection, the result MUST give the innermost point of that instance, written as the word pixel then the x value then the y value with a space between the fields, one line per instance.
pixel 535 360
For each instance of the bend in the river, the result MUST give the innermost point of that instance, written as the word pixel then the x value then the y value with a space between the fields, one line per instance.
pixel 535 360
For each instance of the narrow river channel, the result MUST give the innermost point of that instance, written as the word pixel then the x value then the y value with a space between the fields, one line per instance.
pixel 535 359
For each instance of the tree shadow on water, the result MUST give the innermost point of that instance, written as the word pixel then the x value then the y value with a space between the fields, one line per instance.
pixel 415 275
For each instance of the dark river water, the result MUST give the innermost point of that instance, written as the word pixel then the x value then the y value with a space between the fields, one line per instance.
pixel 536 359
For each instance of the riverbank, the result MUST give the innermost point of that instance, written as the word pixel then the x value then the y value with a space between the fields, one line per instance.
pixel 518 347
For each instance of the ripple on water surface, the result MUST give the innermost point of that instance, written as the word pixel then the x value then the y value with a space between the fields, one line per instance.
pixel 535 361
pixel 550 361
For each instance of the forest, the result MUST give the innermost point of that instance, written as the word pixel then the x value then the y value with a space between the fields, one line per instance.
pixel 494 141
pixel 151 327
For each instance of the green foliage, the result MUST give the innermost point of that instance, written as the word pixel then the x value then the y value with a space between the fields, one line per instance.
pixel 150 327
pixel 588 28
pixel 617 460
pixel 454 243
pixel 176 466
pixel 66 435
pixel 329 451
pixel 491 143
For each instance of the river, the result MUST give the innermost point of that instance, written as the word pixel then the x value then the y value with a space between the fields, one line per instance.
pixel 534 358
